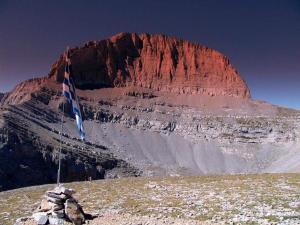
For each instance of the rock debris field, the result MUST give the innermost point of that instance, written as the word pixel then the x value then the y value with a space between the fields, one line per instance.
pixel 238 199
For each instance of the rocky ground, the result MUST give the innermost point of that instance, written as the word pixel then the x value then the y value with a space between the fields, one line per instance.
pixel 126 219
pixel 238 199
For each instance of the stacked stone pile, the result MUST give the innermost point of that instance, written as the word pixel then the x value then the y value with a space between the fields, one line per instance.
pixel 59 206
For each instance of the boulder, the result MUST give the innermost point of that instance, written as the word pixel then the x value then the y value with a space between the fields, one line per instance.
pixel 56 221
pixel 58 213
pixel 62 190
pixel 74 212
pixel 57 196
pixel 45 206
pixel 41 218
pixel 55 200
pixel 57 207
pixel 21 220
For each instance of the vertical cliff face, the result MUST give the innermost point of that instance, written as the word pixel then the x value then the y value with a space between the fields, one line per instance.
pixel 153 61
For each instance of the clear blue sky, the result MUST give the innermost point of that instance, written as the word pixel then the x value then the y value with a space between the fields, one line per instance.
pixel 261 37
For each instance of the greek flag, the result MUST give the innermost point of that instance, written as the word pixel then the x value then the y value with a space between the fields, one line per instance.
pixel 70 94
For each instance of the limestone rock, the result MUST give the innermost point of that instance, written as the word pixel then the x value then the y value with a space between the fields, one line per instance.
pixel 153 61
pixel 74 212
pixel 56 221
pixel 57 207
pixel 45 206
pixel 57 196
pixel 22 220
pixel 55 200
pixel 41 218
pixel 62 191
pixel 58 214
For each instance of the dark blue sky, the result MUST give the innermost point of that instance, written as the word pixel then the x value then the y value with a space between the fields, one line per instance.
pixel 261 37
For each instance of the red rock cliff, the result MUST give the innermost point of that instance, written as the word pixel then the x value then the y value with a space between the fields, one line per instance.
pixel 152 61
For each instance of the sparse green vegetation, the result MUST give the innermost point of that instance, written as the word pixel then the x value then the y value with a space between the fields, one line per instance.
pixel 246 199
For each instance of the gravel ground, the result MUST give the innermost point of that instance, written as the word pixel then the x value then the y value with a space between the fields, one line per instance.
pixel 125 219
pixel 239 199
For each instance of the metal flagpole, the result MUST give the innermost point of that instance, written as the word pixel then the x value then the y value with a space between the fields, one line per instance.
pixel 60 147
pixel 61 135
pixel 69 92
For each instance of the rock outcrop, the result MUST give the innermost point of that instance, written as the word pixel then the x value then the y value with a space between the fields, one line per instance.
pixel 29 144
pixel 153 61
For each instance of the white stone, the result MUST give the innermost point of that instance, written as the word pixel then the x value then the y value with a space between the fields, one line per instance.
pixel 21 220
pixel 41 218
pixel 63 190
pixel 58 214
pixel 55 221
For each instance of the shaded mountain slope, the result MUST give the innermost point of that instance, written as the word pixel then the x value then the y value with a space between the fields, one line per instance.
pixel 30 143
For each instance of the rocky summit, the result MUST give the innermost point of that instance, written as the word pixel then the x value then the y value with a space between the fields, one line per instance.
pixel 153 61
pixel 152 105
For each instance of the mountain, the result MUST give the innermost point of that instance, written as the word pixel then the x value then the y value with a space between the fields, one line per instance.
pixel 153 61
pixel 152 105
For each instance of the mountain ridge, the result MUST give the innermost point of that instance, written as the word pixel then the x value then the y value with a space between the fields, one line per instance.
pixel 137 130
pixel 153 61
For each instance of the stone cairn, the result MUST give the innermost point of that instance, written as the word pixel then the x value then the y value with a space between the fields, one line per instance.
pixel 58 207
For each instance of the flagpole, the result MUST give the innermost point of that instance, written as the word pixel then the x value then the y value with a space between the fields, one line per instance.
pixel 60 147
pixel 61 134
pixel 70 93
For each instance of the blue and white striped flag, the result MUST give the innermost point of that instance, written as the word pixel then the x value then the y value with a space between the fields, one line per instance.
pixel 70 93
